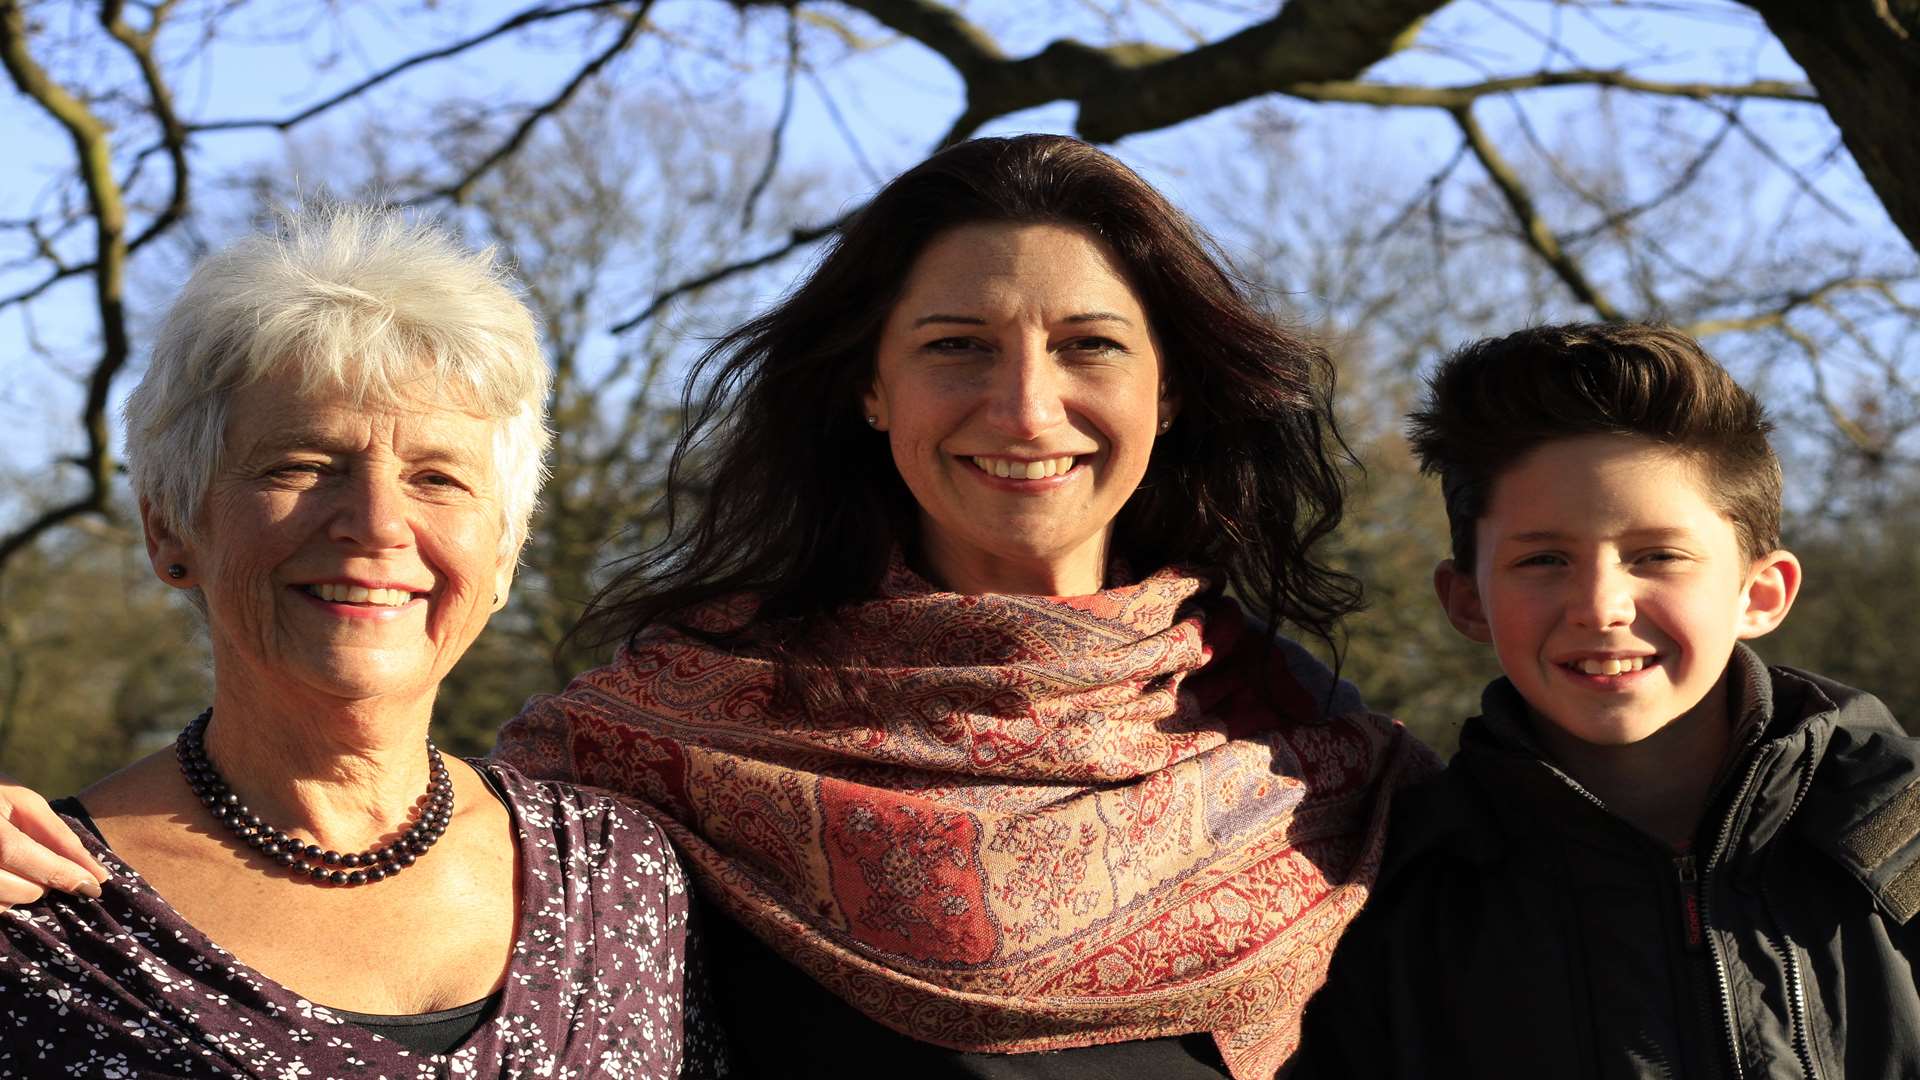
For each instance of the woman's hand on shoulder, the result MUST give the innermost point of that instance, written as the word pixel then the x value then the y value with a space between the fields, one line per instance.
pixel 38 852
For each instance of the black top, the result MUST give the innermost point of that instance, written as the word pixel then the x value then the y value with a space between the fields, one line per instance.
pixel 785 1025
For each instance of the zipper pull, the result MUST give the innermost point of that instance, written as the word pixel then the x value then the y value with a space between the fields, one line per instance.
pixel 1689 874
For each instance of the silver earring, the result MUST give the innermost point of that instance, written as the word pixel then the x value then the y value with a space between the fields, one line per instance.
pixel 873 421
pixel 176 571
pixel 1165 425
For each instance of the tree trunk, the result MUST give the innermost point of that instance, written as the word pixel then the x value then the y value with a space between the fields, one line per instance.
pixel 1863 56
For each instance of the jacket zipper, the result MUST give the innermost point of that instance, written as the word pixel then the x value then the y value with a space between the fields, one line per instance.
pixel 1705 893
pixel 1796 992
pixel 1693 904
pixel 1796 984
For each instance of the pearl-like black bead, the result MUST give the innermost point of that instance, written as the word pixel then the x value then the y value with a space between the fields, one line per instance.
pixel 433 815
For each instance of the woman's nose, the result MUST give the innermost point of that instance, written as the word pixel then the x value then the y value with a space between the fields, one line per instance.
pixel 1026 391
pixel 371 513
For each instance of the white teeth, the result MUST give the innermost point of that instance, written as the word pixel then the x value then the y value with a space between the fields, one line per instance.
pixel 1612 666
pixel 357 594
pixel 1024 470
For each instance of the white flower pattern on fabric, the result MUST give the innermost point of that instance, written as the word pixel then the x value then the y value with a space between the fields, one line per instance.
pixel 123 987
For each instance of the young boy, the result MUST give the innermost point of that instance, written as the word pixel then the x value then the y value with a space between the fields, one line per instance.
pixel 1653 855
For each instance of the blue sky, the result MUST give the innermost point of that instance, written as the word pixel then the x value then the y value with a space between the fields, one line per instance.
pixel 896 98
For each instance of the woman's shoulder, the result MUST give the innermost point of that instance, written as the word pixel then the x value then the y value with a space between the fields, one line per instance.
pixel 598 828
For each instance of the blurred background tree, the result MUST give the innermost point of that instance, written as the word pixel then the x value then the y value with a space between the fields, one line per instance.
pixel 1398 176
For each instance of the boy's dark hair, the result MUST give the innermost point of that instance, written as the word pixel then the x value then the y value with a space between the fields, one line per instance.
pixel 1494 401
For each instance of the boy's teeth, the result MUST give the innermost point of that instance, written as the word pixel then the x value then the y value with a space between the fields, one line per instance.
pixel 1611 666
pixel 355 594
pixel 1024 470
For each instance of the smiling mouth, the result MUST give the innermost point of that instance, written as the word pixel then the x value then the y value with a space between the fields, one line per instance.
pixel 355 594
pixel 1011 469
pixel 1614 665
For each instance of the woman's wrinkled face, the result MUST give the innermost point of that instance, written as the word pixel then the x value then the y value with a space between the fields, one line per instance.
pixel 346 553
pixel 1021 389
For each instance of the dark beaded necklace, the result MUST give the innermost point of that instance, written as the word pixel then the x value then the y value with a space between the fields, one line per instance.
pixel 312 861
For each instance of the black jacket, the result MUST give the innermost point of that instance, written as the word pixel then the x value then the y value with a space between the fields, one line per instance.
pixel 1520 929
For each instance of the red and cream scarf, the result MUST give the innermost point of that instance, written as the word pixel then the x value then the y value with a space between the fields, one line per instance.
pixel 1053 822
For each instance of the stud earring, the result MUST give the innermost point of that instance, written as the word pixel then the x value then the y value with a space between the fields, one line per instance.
pixel 176 571
pixel 1165 425
pixel 873 421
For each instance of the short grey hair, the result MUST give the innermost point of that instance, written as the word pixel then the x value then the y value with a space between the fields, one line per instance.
pixel 351 297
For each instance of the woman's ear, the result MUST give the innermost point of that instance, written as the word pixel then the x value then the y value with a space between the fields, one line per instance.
pixel 1460 599
pixel 1772 585
pixel 874 402
pixel 169 553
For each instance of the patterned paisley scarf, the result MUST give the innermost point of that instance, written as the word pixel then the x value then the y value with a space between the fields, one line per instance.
pixel 1051 822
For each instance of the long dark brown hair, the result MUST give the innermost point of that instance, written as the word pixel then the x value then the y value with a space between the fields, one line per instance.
pixel 798 502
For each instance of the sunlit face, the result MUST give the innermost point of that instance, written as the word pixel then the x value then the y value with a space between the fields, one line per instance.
pixel 345 553
pixel 1612 590
pixel 1021 389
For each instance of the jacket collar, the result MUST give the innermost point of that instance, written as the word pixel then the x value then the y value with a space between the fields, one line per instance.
pixel 1810 755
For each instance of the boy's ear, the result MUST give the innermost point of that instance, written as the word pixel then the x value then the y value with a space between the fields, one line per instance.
pixel 1460 598
pixel 1771 586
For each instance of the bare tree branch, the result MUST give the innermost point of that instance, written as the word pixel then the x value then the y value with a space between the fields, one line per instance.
pixel 460 189
pixel 788 84
pixel 528 17
pixel 173 134
pixel 1539 236
pixel 95 163
pixel 796 240
pixel 1775 317
pixel 1695 167
pixel 1455 97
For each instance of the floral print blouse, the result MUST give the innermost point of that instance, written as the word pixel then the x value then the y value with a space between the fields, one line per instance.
pixel 124 987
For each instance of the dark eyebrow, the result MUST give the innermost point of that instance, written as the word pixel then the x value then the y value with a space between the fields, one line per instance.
pixel 1548 536
pixel 1099 316
pixel 975 320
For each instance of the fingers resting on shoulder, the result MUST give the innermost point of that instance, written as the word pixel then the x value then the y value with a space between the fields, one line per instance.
pixel 38 852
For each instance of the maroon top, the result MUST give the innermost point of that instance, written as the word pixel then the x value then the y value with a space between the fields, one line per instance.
pixel 124 987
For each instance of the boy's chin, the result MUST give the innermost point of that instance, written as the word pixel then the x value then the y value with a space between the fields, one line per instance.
pixel 1600 731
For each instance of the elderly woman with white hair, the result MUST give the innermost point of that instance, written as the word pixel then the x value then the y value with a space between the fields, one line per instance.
pixel 336 451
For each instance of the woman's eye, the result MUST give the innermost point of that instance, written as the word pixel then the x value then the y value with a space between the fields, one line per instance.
pixel 1097 344
pixel 951 344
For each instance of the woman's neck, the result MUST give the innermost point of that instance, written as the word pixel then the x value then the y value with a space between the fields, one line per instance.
pixel 1079 572
pixel 343 775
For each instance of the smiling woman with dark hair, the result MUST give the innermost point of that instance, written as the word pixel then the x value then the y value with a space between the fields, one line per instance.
pixel 939 687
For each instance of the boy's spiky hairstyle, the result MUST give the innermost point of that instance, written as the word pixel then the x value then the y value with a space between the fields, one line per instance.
pixel 1493 402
